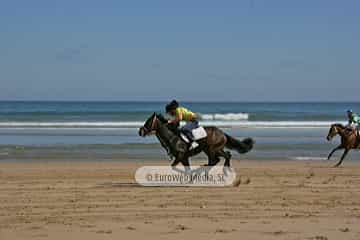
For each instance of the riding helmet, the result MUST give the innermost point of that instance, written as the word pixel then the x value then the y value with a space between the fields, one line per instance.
pixel 172 105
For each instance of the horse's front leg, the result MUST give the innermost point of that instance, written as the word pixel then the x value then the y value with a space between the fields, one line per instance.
pixel 185 162
pixel 213 159
pixel 175 162
pixel 342 157
pixel 181 158
pixel 334 150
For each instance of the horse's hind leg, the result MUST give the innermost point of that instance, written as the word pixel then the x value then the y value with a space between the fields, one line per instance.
pixel 226 155
pixel 342 157
pixel 213 159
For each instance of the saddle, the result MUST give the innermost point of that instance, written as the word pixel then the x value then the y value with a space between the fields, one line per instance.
pixel 197 134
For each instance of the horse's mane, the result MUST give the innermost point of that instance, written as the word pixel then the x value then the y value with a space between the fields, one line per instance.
pixel 161 118
pixel 338 125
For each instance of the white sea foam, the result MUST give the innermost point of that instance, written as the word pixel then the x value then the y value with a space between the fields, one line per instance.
pixel 135 124
pixel 71 124
pixel 225 116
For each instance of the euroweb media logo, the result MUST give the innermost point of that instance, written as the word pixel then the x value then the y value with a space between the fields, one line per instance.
pixel 197 176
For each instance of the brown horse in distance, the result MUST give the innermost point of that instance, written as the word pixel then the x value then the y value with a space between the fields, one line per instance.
pixel 349 140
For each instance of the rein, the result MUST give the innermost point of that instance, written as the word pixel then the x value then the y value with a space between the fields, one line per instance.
pixel 151 126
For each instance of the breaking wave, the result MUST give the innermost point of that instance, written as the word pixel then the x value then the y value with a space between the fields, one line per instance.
pixel 225 116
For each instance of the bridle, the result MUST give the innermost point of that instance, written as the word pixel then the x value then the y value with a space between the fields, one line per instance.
pixel 335 129
pixel 151 126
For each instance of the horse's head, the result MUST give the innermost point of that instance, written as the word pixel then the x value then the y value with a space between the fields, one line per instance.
pixel 333 131
pixel 150 125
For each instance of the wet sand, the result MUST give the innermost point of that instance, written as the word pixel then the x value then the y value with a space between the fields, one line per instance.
pixel 88 200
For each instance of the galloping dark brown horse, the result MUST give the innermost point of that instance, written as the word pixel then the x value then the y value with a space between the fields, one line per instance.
pixel 213 145
pixel 349 140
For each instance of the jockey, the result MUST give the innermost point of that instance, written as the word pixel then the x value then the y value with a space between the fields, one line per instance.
pixel 354 120
pixel 182 114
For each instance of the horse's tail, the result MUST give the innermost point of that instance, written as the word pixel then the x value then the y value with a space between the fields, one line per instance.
pixel 243 146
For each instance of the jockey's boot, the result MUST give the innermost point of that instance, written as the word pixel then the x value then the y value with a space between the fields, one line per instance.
pixel 193 145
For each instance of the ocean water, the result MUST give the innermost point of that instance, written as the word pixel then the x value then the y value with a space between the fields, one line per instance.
pixel 108 130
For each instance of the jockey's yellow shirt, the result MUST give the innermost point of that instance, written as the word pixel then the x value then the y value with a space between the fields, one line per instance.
pixel 185 114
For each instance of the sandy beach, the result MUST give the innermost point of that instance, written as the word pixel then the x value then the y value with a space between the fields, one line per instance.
pixel 93 200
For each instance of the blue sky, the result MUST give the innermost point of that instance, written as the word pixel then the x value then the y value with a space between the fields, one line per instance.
pixel 256 50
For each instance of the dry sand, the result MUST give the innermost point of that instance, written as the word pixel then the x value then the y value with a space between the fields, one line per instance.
pixel 275 200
